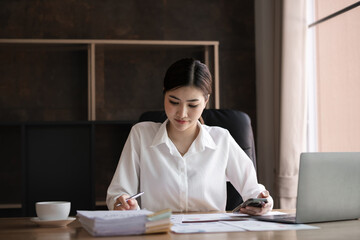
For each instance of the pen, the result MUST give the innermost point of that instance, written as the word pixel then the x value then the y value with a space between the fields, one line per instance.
pixel 132 197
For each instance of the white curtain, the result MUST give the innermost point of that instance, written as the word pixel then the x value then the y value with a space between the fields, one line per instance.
pixel 281 95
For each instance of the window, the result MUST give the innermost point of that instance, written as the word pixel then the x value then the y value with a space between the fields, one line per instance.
pixel 334 106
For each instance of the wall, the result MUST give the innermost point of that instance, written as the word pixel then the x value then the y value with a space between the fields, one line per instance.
pixel 230 22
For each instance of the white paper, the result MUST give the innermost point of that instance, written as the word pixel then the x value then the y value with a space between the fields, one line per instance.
pixel 228 222
pixel 254 225
pixel 205 227
pixel 111 223
pixel 266 214
pixel 176 218
pixel 111 215
pixel 210 217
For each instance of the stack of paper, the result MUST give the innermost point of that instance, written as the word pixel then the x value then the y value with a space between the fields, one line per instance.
pixel 134 222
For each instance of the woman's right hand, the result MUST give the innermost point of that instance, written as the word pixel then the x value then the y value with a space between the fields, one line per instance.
pixel 122 204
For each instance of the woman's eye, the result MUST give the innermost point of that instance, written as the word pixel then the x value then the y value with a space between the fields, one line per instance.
pixel 173 103
pixel 193 106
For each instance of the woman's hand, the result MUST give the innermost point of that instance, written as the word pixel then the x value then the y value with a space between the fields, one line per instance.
pixel 259 210
pixel 122 204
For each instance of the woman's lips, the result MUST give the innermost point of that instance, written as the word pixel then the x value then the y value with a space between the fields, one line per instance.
pixel 180 121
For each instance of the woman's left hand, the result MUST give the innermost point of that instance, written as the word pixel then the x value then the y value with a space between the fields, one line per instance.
pixel 259 210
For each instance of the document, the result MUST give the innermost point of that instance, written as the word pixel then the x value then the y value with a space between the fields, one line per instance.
pixel 266 214
pixel 214 217
pixel 133 222
pixel 204 227
pixel 210 217
pixel 227 222
pixel 254 225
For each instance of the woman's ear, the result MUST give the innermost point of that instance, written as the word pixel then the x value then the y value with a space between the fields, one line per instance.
pixel 206 99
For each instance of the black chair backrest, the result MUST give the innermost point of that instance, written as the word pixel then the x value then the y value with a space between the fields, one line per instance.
pixel 237 123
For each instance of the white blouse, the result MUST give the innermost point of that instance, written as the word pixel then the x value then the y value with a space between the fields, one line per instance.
pixel 151 163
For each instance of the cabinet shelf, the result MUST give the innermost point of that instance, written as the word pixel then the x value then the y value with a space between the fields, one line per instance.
pixel 59 160
pixel 98 54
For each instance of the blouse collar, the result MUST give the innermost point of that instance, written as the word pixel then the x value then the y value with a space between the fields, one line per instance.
pixel 202 141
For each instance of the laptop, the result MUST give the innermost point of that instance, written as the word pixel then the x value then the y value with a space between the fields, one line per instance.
pixel 328 189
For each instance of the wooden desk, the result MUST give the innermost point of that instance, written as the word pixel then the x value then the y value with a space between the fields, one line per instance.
pixel 23 228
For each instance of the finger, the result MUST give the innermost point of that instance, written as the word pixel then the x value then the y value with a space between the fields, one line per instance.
pixel 121 208
pixel 249 211
pixel 132 203
pixel 264 194
pixel 266 208
pixel 121 203
pixel 125 205
pixel 256 210
pixel 118 205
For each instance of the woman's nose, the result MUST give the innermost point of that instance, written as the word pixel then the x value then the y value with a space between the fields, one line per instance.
pixel 182 111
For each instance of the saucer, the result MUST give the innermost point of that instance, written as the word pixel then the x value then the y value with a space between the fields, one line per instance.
pixel 52 223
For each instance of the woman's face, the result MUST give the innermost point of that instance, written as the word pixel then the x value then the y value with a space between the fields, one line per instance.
pixel 183 107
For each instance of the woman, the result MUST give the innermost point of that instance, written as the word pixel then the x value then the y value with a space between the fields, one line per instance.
pixel 182 164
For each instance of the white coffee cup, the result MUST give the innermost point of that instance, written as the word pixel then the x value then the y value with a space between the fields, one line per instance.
pixel 54 210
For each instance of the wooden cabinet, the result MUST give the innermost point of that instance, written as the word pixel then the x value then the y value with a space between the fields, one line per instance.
pixel 87 91
pixel 104 79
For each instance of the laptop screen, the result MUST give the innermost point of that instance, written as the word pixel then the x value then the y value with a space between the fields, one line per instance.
pixel 328 187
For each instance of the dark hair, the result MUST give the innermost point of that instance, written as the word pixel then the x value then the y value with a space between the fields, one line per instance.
pixel 188 72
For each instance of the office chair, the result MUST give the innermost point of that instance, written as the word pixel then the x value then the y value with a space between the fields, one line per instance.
pixel 237 123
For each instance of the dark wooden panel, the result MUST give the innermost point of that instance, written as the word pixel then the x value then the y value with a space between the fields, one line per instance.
pixel 59 166
pixel 131 86
pixel 108 144
pixel 231 22
pixel 11 165
pixel 42 83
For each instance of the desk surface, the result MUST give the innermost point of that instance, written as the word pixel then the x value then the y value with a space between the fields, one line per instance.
pixel 23 228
